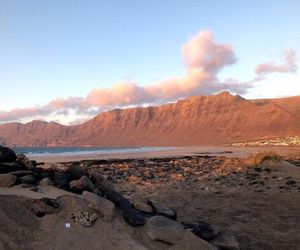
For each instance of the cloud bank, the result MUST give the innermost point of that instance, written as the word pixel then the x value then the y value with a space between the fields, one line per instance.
pixel 203 59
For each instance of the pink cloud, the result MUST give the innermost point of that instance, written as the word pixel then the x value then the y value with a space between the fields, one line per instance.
pixel 289 66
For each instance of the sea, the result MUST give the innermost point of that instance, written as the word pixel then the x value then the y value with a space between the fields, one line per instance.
pixel 69 151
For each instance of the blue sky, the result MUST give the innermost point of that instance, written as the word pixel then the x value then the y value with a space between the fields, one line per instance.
pixel 63 48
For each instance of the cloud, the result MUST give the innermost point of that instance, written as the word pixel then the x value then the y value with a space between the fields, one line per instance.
pixel 203 59
pixel 289 66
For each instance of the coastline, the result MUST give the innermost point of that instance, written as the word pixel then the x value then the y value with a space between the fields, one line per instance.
pixel 228 151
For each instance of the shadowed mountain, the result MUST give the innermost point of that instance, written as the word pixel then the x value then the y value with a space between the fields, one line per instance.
pixel 198 120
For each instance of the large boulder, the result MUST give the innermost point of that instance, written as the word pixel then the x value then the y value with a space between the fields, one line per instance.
pixel 164 229
pixel 161 208
pixel 101 182
pixel 61 180
pixel 102 206
pixel 7 180
pixel 7 155
pixel 76 172
pixel 83 184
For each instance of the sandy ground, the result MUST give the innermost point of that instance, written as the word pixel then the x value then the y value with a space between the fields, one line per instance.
pixel 174 152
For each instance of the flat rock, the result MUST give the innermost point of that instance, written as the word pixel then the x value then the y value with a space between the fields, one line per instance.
pixel 104 207
pixel 22 172
pixel 226 242
pixel 164 229
pixel 7 155
pixel 7 180
pixel 83 184
pixel 161 208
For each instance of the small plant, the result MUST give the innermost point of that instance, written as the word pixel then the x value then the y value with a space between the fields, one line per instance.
pixel 261 157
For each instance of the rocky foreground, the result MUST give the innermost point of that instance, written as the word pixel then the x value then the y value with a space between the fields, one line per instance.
pixel 197 202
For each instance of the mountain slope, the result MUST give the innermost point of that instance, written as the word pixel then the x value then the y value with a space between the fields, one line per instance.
pixel 199 120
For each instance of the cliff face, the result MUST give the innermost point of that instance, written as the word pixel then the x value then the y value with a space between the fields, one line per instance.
pixel 199 120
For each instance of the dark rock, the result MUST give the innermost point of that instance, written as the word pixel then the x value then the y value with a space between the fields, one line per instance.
pixel 290 182
pixel 7 155
pixel 76 172
pixel 22 173
pixel 28 179
pixel 134 217
pixel 226 242
pixel 50 202
pixel 113 196
pixel 83 184
pixel 161 208
pixel 61 180
pixel 101 182
pixel 24 161
pixel 24 185
pixel 125 204
pixel 202 230
pixel 7 180
pixel 10 167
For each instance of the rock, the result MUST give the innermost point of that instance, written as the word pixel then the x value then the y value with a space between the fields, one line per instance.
pixel 7 155
pixel 22 173
pixel 23 160
pixel 164 229
pixel 10 167
pixel 226 242
pixel 7 180
pixel 161 208
pixel 50 202
pixel 113 196
pixel 45 182
pixel 191 241
pixel 83 184
pixel 76 172
pixel 202 230
pixel 125 204
pixel 101 205
pixel 143 207
pixel 61 180
pixel 84 218
pixel 101 182
pixel 134 217
pixel 28 179
pixel 43 206
pixel 25 185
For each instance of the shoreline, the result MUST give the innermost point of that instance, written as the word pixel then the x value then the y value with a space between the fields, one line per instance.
pixel 228 151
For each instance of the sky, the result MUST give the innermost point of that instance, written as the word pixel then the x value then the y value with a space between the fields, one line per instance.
pixel 67 60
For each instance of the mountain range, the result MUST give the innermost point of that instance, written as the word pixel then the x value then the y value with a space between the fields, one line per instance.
pixel 199 120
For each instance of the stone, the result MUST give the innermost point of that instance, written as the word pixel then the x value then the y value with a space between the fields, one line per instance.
pixel 125 204
pixel 101 182
pixel 202 230
pixel 28 179
pixel 161 208
pixel 226 242
pixel 7 180
pixel 104 207
pixel 76 172
pixel 7 155
pixel 164 229
pixel 143 207
pixel 10 167
pixel 43 206
pixel 83 184
pixel 50 202
pixel 45 182
pixel 84 218
pixel 134 217
pixel 61 180
pixel 23 160
pixel 113 196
